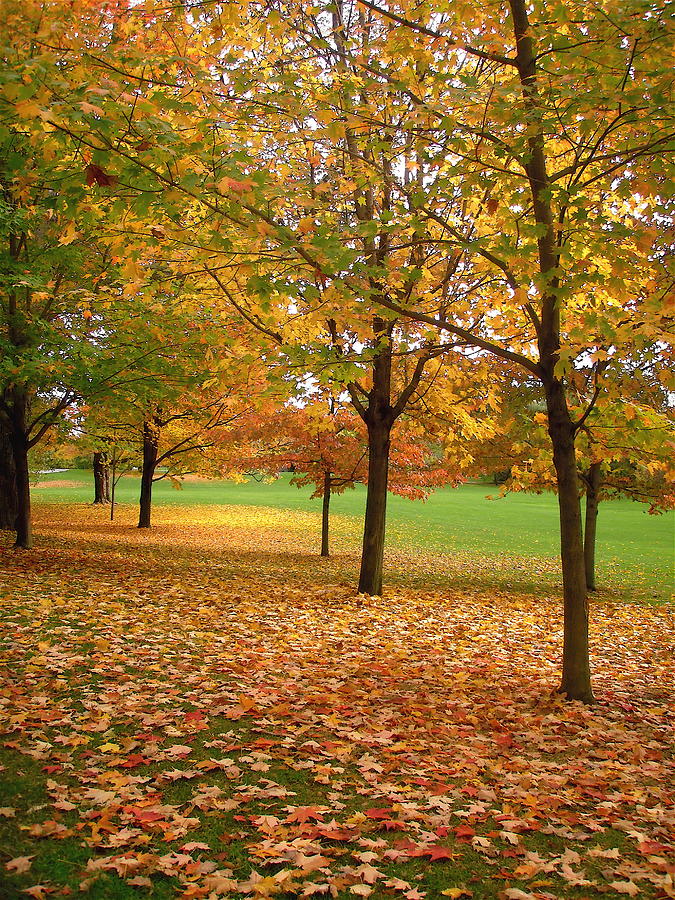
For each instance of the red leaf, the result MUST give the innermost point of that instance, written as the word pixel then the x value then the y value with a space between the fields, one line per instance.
pixel 96 175
pixel 437 852
pixel 379 812
pixel 143 815
pixel 392 825
pixel 333 834
pixel 136 759
pixel 649 847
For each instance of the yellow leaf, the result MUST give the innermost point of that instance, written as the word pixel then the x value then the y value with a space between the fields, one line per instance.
pixel 69 235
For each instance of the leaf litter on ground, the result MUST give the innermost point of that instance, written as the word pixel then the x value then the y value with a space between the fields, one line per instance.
pixel 209 710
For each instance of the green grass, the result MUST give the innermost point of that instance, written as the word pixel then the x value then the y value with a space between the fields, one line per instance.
pixel 632 545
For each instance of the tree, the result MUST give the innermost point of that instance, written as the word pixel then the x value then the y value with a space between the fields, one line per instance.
pixel 177 441
pixel 554 186
pixel 101 469
pixel 51 266
pixel 324 443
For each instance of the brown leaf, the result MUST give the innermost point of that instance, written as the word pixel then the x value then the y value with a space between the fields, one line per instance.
pixel 19 864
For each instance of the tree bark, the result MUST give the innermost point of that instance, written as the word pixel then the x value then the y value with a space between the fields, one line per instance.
pixel 379 418
pixel 101 486
pixel 113 483
pixel 374 527
pixel 576 674
pixel 150 453
pixel 18 411
pixel 325 512
pixel 106 481
pixel 8 503
pixel 593 481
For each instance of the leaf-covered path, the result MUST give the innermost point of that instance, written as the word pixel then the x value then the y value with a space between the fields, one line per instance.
pixel 209 710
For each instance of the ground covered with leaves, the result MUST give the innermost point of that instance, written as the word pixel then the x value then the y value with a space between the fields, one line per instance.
pixel 209 710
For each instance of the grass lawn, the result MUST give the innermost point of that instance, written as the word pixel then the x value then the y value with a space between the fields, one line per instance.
pixel 208 710
pixel 512 540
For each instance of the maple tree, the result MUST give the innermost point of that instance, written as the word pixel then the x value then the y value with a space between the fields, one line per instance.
pixel 323 442
pixel 174 443
pixel 319 442
pixel 53 265
pixel 551 185
pixel 200 188
pixel 178 421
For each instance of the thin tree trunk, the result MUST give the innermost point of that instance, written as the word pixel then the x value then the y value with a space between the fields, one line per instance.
pixel 370 578
pixel 593 480
pixel 113 483
pixel 99 478
pixel 106 480
pixel 576 674
pixel 8 502
pixel 150 453
pixel 325 513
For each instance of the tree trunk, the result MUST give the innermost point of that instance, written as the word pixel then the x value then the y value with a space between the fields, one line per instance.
pixel 150 453
pixel 593 480
pixel 576 674
pixel 100 469
pixel 113 483
pixel 8 504
pixel 24 520
pixel 325 511
pixel 19 442
pixel 370 578
pixel 106 481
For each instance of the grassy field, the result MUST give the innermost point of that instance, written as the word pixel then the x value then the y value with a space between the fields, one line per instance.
pixel 635 550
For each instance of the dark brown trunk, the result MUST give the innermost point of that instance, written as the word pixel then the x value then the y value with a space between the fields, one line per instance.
pixel 101 489
pixel 19 441
pixel 370 578
pixel 24 521
pixel 576 677
pixel 593 481
pixel 576 674
pixel 325 513
pixel 150 453
pixel 8 504
pixel 379 416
